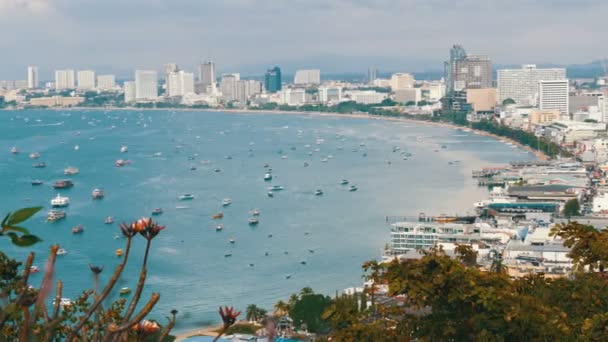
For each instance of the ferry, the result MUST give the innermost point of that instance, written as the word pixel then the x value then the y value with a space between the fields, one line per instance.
pixel 186 197
pixel 37 182
pixel 124 149
pixel 39 165
pixel 34 155
pixel 218 216
pixel 55 215
pixel 78 229
pixel 318 192
pixel 14 150
pixel 61 251
pixel 157 211
pixel 109 220
pixel 253 221
pixel 97 194
pixel 118 252
pixel 226 202
pixel 60 201
pixel 352 188
pixel 125 291
pixel 268 177
pixel 63 184
pixel 70 171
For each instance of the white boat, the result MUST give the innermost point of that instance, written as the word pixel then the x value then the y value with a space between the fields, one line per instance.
pixel 64 302
pixel 186 197
pixel 268 177
pixel 226 202
pixel 255 212
pixel 318 192
pixel 344 182
pixel 275 188
pixel 352 188
pixel 231 240
pixel 76 148
pixel 219 227
pixel 34 269
pixel 270 194
pixel 34 155
pixel 60 201
pixel 109 220
pixel 253 221
pixel 55 215
pixel 61 251
pixel 14 150
pixel 97 194
pixel 70 170
pixel 123 149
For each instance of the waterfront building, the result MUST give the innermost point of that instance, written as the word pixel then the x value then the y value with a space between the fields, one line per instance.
pixel 206 76
pixel 272 80
pixel 228 86
pixel 365 96
pixel 568 132
pixel 32 77
pixel 329 94
pixel 86 79
pixel 482 100
pixel 307 77
pixel 129 89
pixel 408 95
pixel 56 101
pixel 180 83
pixel 64 79
pixel 106 82
pixel 464 71
pixel 293 96
pixel 247 88
pixel 554 94
pixel 521 85
pixel 146 85
pixel 401 81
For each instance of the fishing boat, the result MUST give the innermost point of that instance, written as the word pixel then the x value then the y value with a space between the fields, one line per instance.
pixel 39 165
pixel 124 291
pixel 318 192
pixel 14 150
pixel 61 251
pixel 97 194
pixel 34 269
pixel 34 155
pixel 226 202
pixel 303 262
pixel 60 201
pixel 253 221
pixel 275 188
pixel 268 177
pixel 344 182
pixel 123 149
pixel 63 184
pixel 78 229
pixel 37 182
pixel 118 252
pixel 352 188
pixel 186 197
pixel 157 211
pixel 217 216
pixel 70 171
pixel 109 220
pixel 219 227
pixel 55 215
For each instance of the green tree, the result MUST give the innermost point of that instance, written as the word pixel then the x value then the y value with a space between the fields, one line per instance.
pixel 308 309
pixel 572 208
pixel 588 246
pixel 508 101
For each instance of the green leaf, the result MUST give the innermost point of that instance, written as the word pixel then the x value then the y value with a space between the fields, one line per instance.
pixel 22 215
pixel 5 219
pixel 16 228
pixel 23 240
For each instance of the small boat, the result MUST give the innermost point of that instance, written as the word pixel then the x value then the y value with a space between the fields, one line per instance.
pixel 217 216
pixel 352 188
pixel 275 188
pixel 63 184
pixel 60 201
pixel 123 149
pixel 255 212
pixel 34 155
pixel 124 291
pixel 226 202
pixel 14 150
pixel 324 160
pixel 158 154
pixel 445 218
pixel 268 177
pixel 306 164
pixel 61 251
pixel 157 211
pixel 193 168
pixel 55 215
pixel 269 236
pixel 318 192
pixel 39 165
pixel 227 255
pixel 311 251
pixel 186 197
pixel 288 277
pixel 217 170
pixel 231 240
pixel 70 171
pixel 63 302
pixel 76 148
pixel 37 182
pixel 78 229
pixel 34 269
pixel 344 182
pixel 228 157
pixel 97 194
pixel 303 262
pixel 270 194
pixel 118 252
pixel 219 227
pixel 253 221
pixel 109 220
pixel 121 162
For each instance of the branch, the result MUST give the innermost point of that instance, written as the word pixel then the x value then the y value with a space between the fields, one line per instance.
pixel 140 284
pixel 168 327
pixel 140 316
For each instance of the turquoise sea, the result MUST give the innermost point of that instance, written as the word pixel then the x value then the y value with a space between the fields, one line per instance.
pixel 188 266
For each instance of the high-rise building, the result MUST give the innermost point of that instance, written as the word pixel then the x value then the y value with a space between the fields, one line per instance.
pixel 272 80
pixel 521 85
pixel 86 79
pixel 307 77
pixel 64 79
pixel 247 88
pixel 206 74
pixel 129 88
pixel 106 82
pixel 32 77
pixel 372 75
pixel 180 83
pixel 464 71
pixel 146 85
pixel 401 81
pixel 553 95
pixel 228 86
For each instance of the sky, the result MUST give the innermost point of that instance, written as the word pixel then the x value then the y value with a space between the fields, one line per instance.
pixel 334 35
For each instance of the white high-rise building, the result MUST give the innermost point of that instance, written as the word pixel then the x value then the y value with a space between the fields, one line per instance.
pixel 32 77
pixel 330 94
pixel 64 79
pixel 206 74
pixel 401 81
pixel 129 88
pixel 106 82
pixel 180 83
pixel 228 86
pixel 553 95
pixel 308 77
pixel 247 88
pixel 146 85
pixel 86 79
pixel 521 85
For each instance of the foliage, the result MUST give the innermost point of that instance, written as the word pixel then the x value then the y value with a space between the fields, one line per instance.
pixel 508 101
pixel 572 208
pixel 254 313
pixel 11 229
pixel 243 328
pixel 588 246
pixel 308 308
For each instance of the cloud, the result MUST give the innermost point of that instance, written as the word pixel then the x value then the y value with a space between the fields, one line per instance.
pixel 35 6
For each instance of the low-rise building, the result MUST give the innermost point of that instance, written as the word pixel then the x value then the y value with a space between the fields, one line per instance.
pixel 568 132
pixel 56 101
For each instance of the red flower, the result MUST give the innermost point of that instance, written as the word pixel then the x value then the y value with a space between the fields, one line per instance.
pixel 228 316
pixel 146 327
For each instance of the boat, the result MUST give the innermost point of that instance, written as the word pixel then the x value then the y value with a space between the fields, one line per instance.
pixel 227 255
pixel 268 177
pixel 76 148
pixel 231 240
pixel 70 171
pixel 193 168
pixel 275 188
pixel 109 220
pixel 60 201
pixel 255 212
pixel 34 155
pixel 253 221
pixel 186 197
pixel 217 216
pixel 121 162
pixel 61 251
pixel 157 211
pixel 55 215
pixel 97 194
pixel 445 218
pixel 226 202
pixel 303 262
pixel 34 269
pixel 352 188
pixel 124 291
pixel 78 229
pixel 318 192
pixel 123 149
pixel 344 182
pixel 63 184
pixel 219 227
pixel 39 165
pixel 63 302
pixel 217 170
pixel 270 194
pixel 14 150
pixel 288 277
pixel 118 252
pixel 324 160
pixel 37 182
pixel 306 164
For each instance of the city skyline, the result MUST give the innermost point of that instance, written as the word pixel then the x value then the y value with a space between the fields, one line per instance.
pixel 390 35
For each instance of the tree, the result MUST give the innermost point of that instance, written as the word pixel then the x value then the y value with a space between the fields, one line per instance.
pixel 466 254
pixel 508 101
pixel 572 208
pixel 281 308
pixel 588 246
pixel 254 313
pixel 308 309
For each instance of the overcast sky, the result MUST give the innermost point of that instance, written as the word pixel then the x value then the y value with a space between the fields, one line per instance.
pixel 343 35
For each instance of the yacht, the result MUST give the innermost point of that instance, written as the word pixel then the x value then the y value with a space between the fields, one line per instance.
pixel 14 150
pixel 39 165
pixel 352 188
pixel 123 149
pixel 344 182
pixel 60 201
pixel 121 162
pixel 186 197
pixel 318 192
pixel 63 302
pixel 76 148
pixel 157 211
pixel 97 194
pixel 226 202
pixel 70 171
pixel 270 194
pixel 63 184
pixel 61 251
pixel 253 221
pixel 34 155
pixel 232 240
pixel 109 220
pixel 37 182
pixel 78 229
pixel 55 215
pixel 275 188
pixel 268 177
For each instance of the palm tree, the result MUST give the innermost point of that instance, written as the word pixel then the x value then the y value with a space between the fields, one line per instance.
pixel 281 308
pixel 306 291
pixel 293 299
pixel 252 312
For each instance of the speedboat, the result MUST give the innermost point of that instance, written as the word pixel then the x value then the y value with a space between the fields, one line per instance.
pixel 34 155
pixel 275 188
pixel 55 215
pixel 39 165
pixel 253 221
pixel 157 211
pixel 14 150
pixel 217 216
pixel 124 291
pixel 121 162
pixel 344 182
pixel 60 201
pixel 70 171
pixel 219 227
pixel 37 182
pixel 123 149
pixel 34 269
pixel 303 262
pixel 268 177
pixel 352 188
pixel 63 184
pixel 186 197
pixel 78 229
pixel 227 255
pixel 109 220
pixel 318 192
pixel 97 194
pixel 61 251
pixel 76 148
pixel 226 202
pixel 217 170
